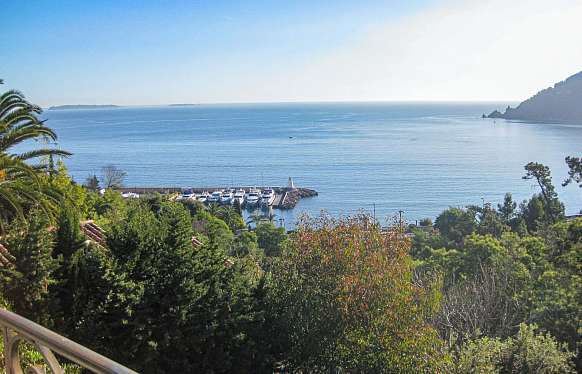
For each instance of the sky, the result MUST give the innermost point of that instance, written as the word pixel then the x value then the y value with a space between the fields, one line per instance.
pixel 161 52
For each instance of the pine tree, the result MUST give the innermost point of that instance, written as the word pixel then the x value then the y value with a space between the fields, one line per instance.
pixel 542 175
pixel 92 183
pixel 26 281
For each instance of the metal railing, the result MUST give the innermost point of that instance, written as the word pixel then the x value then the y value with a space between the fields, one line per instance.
pixel 17 329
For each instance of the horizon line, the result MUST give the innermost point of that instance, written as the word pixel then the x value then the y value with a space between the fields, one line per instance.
pixel 399 101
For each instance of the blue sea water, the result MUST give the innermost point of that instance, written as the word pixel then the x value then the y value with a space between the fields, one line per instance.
pixel 417 157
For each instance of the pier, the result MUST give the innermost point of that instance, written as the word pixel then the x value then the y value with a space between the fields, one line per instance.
pixel 285 197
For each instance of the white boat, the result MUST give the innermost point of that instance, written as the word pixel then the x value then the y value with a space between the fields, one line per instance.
pixel 188 194
pixel 253 197
pixel 239 197
pixel 267 197
pixel 226 197
pixel 214 197
pixel 203 197
pixel 131 195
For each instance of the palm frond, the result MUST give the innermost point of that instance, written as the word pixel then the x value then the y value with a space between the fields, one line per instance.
pixel 22 185
pixel 16 137
pixel 15 116
pixel 43 152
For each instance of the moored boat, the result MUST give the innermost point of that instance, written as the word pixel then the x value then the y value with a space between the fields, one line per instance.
pixel 253 197
pixel 203 197
pixel 226 197
pixel 267 197
pixel 188 194
pixel 214 197
pixel 239 197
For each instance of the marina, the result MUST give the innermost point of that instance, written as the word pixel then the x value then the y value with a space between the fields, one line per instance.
pixel 247 197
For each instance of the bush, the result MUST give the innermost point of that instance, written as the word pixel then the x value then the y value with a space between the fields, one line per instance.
pixel 527 352
pixel 25 282
pixel 270 238
pixel 343 296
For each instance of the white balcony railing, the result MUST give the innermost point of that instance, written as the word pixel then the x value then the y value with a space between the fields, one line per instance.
pixel 17 329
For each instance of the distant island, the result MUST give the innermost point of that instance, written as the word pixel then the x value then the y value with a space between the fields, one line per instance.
pixel 183 104
pixel 561 103
pixel 65 107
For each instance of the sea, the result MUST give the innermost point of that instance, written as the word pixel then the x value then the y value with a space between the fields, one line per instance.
pixel 376 158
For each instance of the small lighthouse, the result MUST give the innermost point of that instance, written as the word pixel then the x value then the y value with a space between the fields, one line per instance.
pixel 290 184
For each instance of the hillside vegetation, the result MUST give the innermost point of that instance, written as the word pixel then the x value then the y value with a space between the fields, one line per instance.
pixel 561 103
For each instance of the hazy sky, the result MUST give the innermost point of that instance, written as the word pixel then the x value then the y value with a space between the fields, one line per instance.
pixel 159 52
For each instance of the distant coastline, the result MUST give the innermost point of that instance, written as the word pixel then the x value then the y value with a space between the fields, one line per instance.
pixel 67 107
pixel 560 103
pixel 185 104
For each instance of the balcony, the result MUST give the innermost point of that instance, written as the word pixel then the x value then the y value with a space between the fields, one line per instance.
pixel 17 329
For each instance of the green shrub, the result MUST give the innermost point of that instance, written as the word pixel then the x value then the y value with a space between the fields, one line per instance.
pixel 526 352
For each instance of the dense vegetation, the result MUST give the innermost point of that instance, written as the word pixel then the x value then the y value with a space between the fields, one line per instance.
pixel 504 267
pixel 482 290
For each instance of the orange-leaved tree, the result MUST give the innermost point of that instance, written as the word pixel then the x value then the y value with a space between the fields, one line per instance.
pixel 344 296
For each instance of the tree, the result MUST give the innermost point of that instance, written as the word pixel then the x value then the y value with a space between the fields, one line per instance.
pixel 456 223
pixel 69 192
pixel 527 352
pixel 101 302
pixel 270 238
pixel 231 217
pixel 425 222
pixel 490 222
pixel 424 241
pixel 484 304
pixel 541 173
pixel 193 206
pixel 92 183
pixel 25 282
pixel 68 240
pixel 481 251
pixel 534 213
pixel 110 202
pixel 555 300
pixel 245 243
pixel 215 229
pixel 507 210
pixel 574 172
pixel 343 298
pixel 20 188
pixel 196 311
pixel 113 177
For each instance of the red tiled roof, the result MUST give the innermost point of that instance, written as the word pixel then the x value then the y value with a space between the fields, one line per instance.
pixel 5 257
pixel 93 232
pixel 196 243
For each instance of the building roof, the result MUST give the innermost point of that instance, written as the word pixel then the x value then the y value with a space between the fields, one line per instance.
pixel 196 242
pixel 5 257
pixel 93 232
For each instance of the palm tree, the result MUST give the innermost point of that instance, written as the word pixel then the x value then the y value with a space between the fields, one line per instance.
pixel 21 174
pixel 257 217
